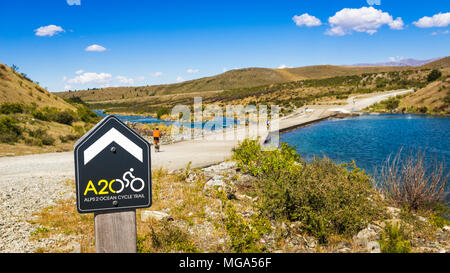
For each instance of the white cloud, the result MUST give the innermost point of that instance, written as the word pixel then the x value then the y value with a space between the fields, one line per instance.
pixel 64 79
pixel 435 33
pixel 397 24
pixel 67 87
pixel 157 74
pixel 95 48
pixel 81 71
pixel 374 2
pixel 125 80
pixel 180 79
pixel 85 78
pixel 306 20
pixel 192 71
pixel 365 19
pixel 438 20
pixel 283 66
pixel 74 2
pixel 48 31
pixel 396 58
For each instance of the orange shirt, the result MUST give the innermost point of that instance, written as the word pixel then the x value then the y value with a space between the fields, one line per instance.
pixel 156 133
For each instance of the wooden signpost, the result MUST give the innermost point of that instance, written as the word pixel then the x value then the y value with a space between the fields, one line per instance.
pixel 113 179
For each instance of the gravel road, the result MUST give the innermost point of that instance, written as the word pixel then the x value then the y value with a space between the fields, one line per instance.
pixel 29 184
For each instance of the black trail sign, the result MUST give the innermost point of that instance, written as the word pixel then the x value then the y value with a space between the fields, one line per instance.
pixel 112 169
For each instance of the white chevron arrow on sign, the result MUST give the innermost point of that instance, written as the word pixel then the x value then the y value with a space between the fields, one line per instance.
pixel 106 139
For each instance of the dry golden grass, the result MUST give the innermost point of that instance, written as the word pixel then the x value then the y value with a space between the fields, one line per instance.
pixel 186 202
pixel 432 96
pixel 63 218
pixel 53 129
pixel 15 88
pixel 238 78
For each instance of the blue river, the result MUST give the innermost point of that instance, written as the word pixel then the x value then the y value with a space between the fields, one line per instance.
pixel 149 119
pixel 370 139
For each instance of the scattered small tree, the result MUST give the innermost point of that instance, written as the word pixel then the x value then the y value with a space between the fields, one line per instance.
pixel 434 75
pixel 161 112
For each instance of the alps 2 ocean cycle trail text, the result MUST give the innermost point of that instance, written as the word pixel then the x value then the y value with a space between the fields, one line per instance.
pixel 106 188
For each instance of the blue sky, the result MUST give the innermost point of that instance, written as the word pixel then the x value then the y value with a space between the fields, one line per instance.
pixel 78 44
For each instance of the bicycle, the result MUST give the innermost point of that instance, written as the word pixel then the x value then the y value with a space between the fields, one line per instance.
pixel 130 183
pixel 156 142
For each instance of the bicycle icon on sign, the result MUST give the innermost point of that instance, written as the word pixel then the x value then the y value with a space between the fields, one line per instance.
pixel 132 183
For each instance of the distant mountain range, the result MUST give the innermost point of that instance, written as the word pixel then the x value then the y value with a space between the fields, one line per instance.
pixel 402 62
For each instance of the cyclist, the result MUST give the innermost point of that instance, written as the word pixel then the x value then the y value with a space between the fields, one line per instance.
pixel 156 136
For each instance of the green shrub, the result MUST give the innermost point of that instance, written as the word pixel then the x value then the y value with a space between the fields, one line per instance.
pixel 64 117
pixel 41 115
pixel 391 103
pixel 244 234
pixel 327 198
pixel 262 164
pixel 161 112
pixel 9 130
pixel 86 115
pixel 68 138
pixel 11 108
pixel 39 137
pixel 55 114
pixel 47 140
pixel 168 238
pixel 434 75
pixel 447 97
pixel 394 239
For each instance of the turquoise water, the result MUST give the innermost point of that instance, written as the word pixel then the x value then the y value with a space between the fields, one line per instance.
pixel 370 139
pixel 150 119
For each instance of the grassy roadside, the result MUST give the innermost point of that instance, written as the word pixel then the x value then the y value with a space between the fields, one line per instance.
pixel 26 129
pixel 267 202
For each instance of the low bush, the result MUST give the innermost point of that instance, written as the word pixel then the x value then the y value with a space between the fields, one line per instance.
pixel 11 108
pixel 434 75
pixel 244 234
pixel 161 112
pixel 86 115
pixel 40 137
pixel 10 132
pixel 55 114
pixel 394 239
pixel 68 138
pixel 414 180
pixel 325 197
pixel 166 238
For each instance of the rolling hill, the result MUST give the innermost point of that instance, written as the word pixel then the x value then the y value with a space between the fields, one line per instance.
pixel 238 78
pixel 251 83
pixel 443 63
pixel 18 88
pixel 33 120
